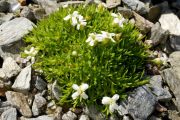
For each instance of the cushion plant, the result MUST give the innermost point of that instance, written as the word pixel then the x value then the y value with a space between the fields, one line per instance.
pixel 93 53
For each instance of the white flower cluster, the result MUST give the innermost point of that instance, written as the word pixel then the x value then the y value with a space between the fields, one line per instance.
pixel 76 20
pixel 118 19
pixel 80 92
pixel 104 37
pixel 31 54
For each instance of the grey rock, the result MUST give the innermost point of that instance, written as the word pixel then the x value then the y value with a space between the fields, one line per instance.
pixel 175 42
pixel 38 105
pixel 136 5
pixel 28 13
pixel 40 84
pixel 69 116
pixel 173 27
pixel 58 113
pixel 10 114
pixel 171 78
pixel 43 117
pixel 113 3
pixel 49 5
pixel 154 13
pixel 93 113
pixel 174 61
pixel 5 17
pixel 141 23
pixel 60 4
pixel 158 35
pixel 122 109
pixel 4 106
pixel 14 30
pixel 12 50
pixel 156 81
pixel 4 109
pixel 55 90
pixel 2 74
pixel 84 117
pixel 14 6
pixel 39 13
pixel 4 6
pixel 127 13
pixel 114 117
pixel 173 115
pixel 176 4
pixel 126 117
pixel 141 103
pixel 20 102
pixel 22 82
pixel 162 94
pixel 10 67
pixel 51 105
pixel 154 118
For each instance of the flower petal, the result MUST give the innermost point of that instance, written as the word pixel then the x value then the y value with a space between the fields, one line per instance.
pixel 115 97
pixel 74 21
pixel 91 43
pixel 83 23
pixel 75 14
pixel 116 20
pixel 114 15
pixel 78 26
pixel 75 87
pixel 84 86
pixel 75 95
pixel 113 107
pixel 84 95
pixel 106 100
pixel 67 17
pixel 26 52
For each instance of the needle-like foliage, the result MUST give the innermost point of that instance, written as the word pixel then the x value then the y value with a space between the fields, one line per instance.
pixel 108 68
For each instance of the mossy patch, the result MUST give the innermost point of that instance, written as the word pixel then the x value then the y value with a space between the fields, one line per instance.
pixel 108 68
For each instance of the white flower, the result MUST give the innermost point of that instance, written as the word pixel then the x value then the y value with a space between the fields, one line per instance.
pixel 107 35
pixel 81 22
pixel 76 19
pixel 80 91
pixel 31 52
pixel 118 19
pixel 111 102
pixel 91 39
pixel 103 37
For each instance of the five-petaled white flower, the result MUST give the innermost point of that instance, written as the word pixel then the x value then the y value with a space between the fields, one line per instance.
pixel 118 19
pixel 76 19
pixel 111 102
pixel 80 91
